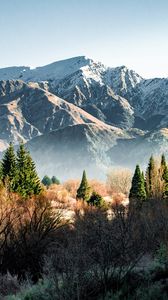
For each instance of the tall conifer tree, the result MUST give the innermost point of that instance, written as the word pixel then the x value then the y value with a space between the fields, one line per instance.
pixel 28 182
pixel 1 173
pixel 143 178
pixel 150 177
pixel 164 175
pixel 9 168
pixel 164 168
pixel 137 191
pixel 84 191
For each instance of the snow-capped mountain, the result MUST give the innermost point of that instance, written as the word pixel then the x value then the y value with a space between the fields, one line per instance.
pixel 118 96
pixel 79 97
pixel 56 70
pixel 60 130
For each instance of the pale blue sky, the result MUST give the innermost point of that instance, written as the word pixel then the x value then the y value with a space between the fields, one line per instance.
pixel 116 32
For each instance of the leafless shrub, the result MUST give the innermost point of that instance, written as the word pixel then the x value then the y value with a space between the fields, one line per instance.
pixel 27 229
pixel 71 186
pixel 119 181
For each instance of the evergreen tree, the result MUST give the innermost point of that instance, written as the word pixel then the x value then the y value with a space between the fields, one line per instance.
pixel 137 191
pixel 28 182
pixel 34 184
pixel 150 178
pixel 95 199
pixel 1 173
pixel 164 168
pixel 9 168
pixel 143 177
pixel 55 180
pixel 164 175
pixel 46 181
pixel 163 162
pixel 83 192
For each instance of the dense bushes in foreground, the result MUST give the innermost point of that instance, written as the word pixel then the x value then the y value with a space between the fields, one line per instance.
pixel 99 253
pixel 93 256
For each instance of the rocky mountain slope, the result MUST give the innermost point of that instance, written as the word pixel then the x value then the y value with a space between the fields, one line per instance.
pixel 67 134
pixel 27 111
pixel 79 109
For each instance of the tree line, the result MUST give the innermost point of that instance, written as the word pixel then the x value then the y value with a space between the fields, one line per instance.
pixel 18 172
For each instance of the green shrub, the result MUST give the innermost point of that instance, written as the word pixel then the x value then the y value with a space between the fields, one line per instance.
pixel 44 290
pixel 153 292
pixel 46 181
pixel 161 256
pixel 96 200
pixel 55 180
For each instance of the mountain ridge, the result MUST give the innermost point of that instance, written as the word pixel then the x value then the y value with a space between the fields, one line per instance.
pixel 81 92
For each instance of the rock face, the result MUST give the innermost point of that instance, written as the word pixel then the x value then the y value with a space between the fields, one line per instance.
pixel 78 110
pixel 60 135
pixel 27 111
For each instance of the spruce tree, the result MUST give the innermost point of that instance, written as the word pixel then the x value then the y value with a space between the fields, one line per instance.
pixel 143 177
pixel 1 173
pixel 28 182
pixel 164 168
pixel 83 192
pixel 9 168
pixel 164 175
pixel 35 184
pixel 137 191
pixel 163 162
pixel 150 177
